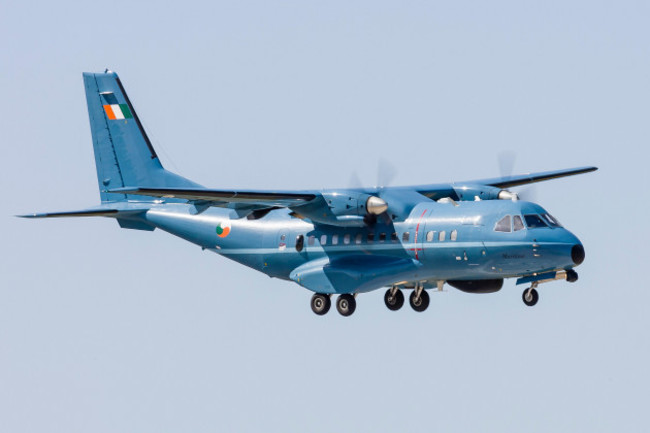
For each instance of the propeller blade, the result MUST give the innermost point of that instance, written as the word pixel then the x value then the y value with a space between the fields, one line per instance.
pixel 386 173
pixel 355 181
pixel 507 160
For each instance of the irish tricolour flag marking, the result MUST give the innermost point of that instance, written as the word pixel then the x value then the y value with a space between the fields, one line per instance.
pixel 118 111
pixel 223 229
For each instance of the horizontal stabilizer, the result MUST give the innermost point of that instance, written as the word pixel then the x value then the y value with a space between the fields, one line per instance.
pixel 93 212
pixel 220 196
pixel 78 213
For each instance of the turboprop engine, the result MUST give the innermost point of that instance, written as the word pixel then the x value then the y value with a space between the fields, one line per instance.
pixel 343 209
pixel 483 192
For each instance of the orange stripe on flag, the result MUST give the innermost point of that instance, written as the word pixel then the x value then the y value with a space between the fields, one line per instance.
pixel 109 112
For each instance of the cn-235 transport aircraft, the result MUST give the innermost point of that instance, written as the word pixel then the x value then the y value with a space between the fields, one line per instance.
pixel 337 243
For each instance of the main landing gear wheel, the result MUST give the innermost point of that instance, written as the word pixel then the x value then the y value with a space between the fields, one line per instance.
pixel 346 304
pixel 420 303
pixel 320 303
pixel 530 297
pixel 394 301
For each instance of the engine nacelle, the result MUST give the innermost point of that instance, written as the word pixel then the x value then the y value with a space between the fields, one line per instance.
pixel 342 209
pixel 477 286
pixel 354 204
pixel 483 192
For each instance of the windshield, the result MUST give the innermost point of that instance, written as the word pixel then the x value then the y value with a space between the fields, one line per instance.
pixel 551 220
pixel 534 221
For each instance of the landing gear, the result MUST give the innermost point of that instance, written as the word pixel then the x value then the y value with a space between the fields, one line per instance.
pixel 419 299
pixel 320 303
pixel 530 296
pixel 346 304
pixel 394 299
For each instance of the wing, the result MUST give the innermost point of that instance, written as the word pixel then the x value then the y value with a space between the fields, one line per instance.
pixel 216 197
pixel 523 179
pixel 450 189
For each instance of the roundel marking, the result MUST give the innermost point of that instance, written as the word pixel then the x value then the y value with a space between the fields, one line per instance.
pixel 223 229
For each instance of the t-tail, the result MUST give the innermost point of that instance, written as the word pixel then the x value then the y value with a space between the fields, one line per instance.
pixel 124 155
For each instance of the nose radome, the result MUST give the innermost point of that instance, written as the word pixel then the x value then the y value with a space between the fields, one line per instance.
pixel 578 254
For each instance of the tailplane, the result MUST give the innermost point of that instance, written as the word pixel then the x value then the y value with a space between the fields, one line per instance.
pixel 124 155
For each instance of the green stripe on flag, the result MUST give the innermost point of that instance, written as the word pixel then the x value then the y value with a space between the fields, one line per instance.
pixel 126 111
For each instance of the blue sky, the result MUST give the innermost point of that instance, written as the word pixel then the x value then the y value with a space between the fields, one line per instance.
pixel 105 330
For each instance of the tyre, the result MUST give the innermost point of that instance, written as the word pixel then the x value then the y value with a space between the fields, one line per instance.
pixel 320 304
pixel 394 302
pixel 531 298
pixel 421 304
pixel 346 304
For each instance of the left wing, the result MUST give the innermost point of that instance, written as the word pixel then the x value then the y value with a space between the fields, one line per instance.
pixel 492 188
pixel 524 179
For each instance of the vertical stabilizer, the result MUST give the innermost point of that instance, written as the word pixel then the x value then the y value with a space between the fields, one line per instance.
pixel 124 155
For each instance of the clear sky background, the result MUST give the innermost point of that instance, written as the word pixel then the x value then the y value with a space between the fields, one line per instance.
pixel 109 330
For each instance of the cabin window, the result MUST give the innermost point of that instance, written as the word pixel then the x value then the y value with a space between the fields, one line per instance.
pixel 346 239
pixel 430 235
pixel 393 237
pixel 300 242
pixel 323 240
pixel 442 235
pixel 405 237
pixel 283 238
pixel 454 235
pixel 371 237
pixel 335 239
pixel 534 221
pixel 517 223
pixel 503 225
pixel 358 238
pixel 311 240
pixel 382 237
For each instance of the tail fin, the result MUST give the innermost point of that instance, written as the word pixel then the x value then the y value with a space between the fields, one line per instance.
pixel 124 155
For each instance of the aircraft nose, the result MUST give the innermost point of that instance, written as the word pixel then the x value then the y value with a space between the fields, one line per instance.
pixel 578 254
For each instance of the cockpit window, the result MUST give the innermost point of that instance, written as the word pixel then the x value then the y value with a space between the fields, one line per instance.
pixel 551 220
pixel 534 221
pixel 517 223
pixel 503 225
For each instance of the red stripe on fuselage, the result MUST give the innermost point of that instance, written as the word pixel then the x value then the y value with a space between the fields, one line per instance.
pixel 417 228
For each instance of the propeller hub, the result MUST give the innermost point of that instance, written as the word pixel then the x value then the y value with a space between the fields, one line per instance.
pixel 376 205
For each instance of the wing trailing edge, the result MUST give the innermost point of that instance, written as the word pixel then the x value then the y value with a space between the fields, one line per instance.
pixel 267 198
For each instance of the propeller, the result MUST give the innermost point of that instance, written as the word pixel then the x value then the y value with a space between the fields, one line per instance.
pixel 506 161
pixel 376 206
pixel 386 173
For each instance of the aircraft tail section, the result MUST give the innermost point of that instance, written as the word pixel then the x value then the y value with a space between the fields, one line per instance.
pixel 124 155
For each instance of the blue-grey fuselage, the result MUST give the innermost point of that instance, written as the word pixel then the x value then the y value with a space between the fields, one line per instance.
pixel 470 234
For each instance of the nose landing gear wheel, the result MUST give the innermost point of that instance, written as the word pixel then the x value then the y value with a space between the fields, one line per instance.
pixel 394 301
pixel 320 304
pixel 421 303
pixel 346 304
pixel 530 297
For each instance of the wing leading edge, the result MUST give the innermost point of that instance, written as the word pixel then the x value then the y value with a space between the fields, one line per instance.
pixel 523 179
